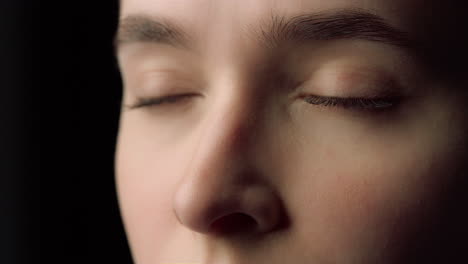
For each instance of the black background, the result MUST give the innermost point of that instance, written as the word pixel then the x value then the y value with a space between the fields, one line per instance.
pixel 19 139
pixel 91 223
pixel 60 93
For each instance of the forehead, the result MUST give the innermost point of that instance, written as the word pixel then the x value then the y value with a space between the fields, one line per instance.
pixel 255 7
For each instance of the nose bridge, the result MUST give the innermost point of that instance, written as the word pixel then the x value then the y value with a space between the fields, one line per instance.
pixel 231 118
pixel 220 179
pixel 220 158
pixel 225 139
pixel 231 126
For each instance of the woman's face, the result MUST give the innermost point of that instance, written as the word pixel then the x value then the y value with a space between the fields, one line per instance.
pixel 261 154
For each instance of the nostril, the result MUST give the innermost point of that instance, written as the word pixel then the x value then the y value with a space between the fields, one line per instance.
pixel 233 224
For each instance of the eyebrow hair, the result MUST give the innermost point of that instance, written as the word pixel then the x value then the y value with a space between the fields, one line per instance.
pixel 331 25
pixel 143 28
pixel 325 25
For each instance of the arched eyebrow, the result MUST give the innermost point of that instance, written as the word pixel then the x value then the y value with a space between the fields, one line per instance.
pixel 325 25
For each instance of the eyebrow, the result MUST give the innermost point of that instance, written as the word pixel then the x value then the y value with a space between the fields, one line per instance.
pixel 143 28
pixel 331 25
pixel 325 25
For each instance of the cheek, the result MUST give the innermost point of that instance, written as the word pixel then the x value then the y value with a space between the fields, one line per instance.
pixel 145 175
pixel 356 212
pixel 368 200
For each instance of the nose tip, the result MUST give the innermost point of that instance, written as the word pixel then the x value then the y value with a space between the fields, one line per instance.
pixel 248 209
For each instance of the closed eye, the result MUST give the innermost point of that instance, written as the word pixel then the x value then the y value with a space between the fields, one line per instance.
pixel 159 101
pixel 356 103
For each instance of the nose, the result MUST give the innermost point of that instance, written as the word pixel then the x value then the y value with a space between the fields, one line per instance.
pixel 223 191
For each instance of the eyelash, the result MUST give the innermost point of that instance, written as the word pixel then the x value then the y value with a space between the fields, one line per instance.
pixel 157 101
pixel 359 103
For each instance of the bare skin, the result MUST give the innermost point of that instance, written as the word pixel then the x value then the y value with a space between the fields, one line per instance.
pixel 247 167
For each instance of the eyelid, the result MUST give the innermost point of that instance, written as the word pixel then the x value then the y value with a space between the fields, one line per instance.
pixel 341 79
pixel 161 83
pixel 163 80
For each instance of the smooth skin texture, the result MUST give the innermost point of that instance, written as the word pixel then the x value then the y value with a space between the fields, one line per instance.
pixel 244 170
